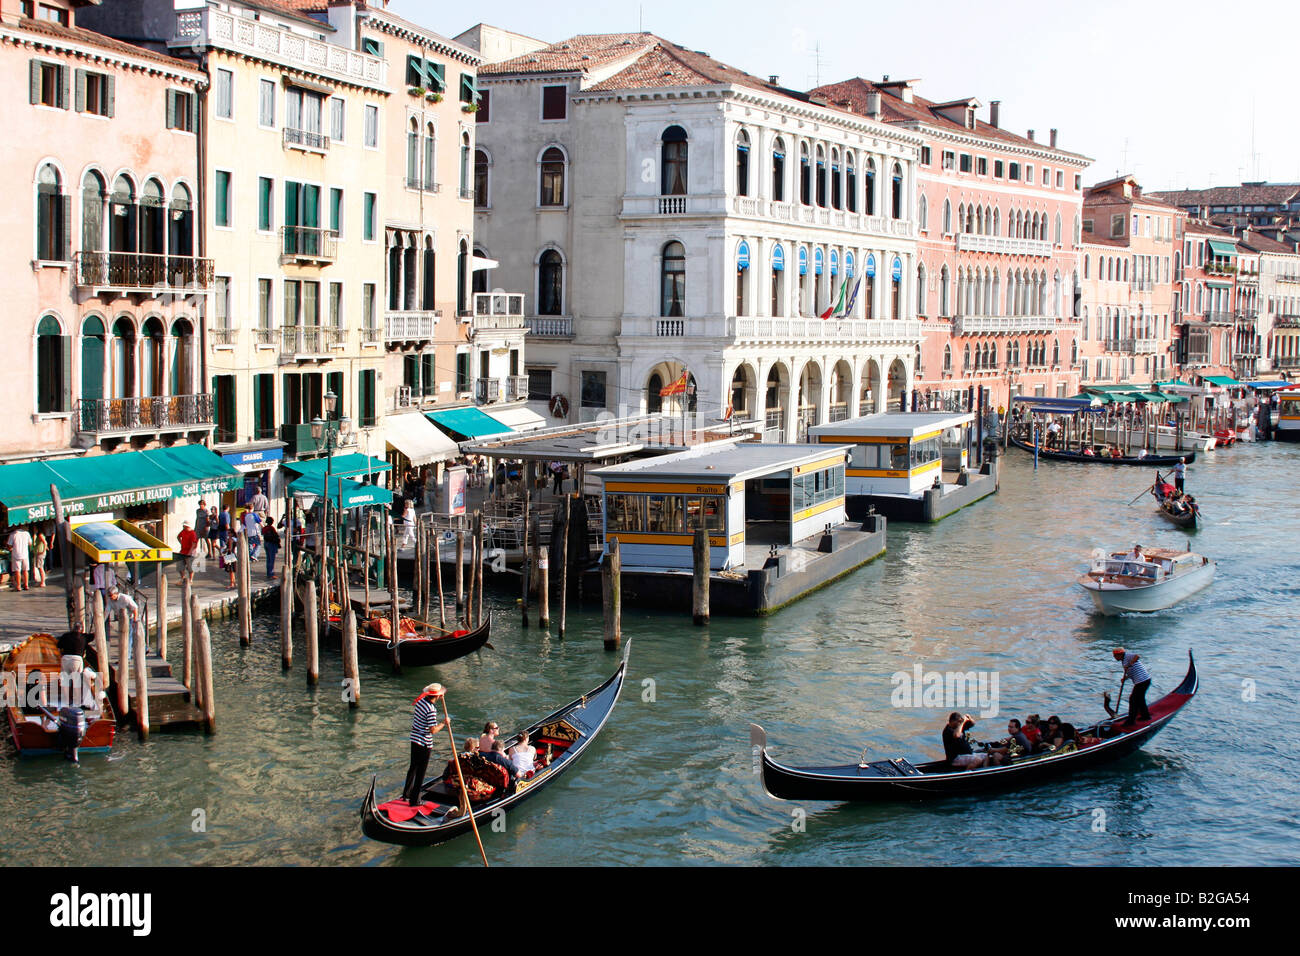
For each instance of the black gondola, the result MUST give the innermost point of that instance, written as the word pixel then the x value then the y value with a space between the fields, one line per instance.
pixel 1186 518
pixel 419 651
pixel 1150 461
pixel 886 780
pixel 567 733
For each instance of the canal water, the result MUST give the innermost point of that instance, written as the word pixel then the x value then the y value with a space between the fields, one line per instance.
pixel 671 780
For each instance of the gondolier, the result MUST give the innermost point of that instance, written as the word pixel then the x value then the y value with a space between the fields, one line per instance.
pixel 1135 671
pixel 424 724
pixel 1180 472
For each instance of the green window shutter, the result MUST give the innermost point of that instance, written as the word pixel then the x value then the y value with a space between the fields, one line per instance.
pixel 110 91
pixel 264 203
pixel 334 383
pixel 79 95
pixel 466 88
pixel 65 226
pixel 34 87
pixel 64 81
pixel 311 206
pixel 193 100
pixel 372 47
pixel 414 71
pixel 65 381
pixel 336 209
pixel 436 73
pixel 291 203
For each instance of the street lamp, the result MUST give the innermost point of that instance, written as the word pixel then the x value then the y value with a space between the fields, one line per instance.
pixel 328 429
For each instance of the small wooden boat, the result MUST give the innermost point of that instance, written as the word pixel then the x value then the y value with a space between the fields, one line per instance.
pixel 562 737
pixel 1120 582
pixel 899 779
pixel 420 644
pixel 32 672
pixel 1177 509
pixel 1150 461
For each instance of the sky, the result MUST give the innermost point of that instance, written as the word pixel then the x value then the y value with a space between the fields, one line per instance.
pixel 1183 95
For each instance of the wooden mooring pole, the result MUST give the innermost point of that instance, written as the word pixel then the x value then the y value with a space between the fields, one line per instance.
pixel 526 562
pixel 394 606
pixel 351 673
pixel 541 562
pixel 460 568
pixel 100 630
pixel 286 617
pixel 700 582
pixel 437 569
pixel 162 610
pixel 204 656
pixel 563 555
pixel 141 681
pixel 79 605
pixel 241 582
pixel 478 569
pixel 187 633
pixel 123 662
pixel 196 675
pixel 611 595
pixel 311 622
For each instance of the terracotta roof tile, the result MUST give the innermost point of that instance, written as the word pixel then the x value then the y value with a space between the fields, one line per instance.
pixel 576 54
pixel 91 38
pixel 1256 194
pixel 668 65
pixel 1262 243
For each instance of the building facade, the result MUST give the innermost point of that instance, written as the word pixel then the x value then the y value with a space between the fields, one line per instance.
pixel 109 313
pixel 1206 303
pixel 679 221
pixel 1132 246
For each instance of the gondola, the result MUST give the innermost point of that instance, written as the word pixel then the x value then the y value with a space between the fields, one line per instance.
pixel 1187 518
pixel 565 735
pixel 422 646
pixel 1150 461
pixel 898 779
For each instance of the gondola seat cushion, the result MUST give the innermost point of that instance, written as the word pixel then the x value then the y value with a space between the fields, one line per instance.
pixel 483 778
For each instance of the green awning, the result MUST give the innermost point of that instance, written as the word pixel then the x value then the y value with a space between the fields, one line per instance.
pixel 468 421
pixel 342 466
pixel 1223 381
pixel 112 482
pixel 344 492
pixel 1222 248
pixel 1219 285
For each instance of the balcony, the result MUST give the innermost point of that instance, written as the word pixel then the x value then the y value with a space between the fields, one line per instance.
pixel 1220 318
pixel 804 331
pixel 512 388
pixel 657 206
pixel 498 312
pixel 306 140
pixel 466 193
pixel 135 272
pixel 298 441
pixel 1006 324
pixel 1284 321
pixel 550 326
pixel 100 418
pixel 222 337
pixel 1287 361
pixel 516 388
pixel 307 343
pixel 211 27
pixel 1006 245
pixel 1133 346
pixel 808 215
pixel 411 327
pixel 308 245
pixel 266 338
pixel 487 391
pixel 422 185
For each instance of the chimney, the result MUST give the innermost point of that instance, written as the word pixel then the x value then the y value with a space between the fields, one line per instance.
pixel 994 110
pixel 1053 139
pixel 873 104
pixel 774 80
pixel 1031 134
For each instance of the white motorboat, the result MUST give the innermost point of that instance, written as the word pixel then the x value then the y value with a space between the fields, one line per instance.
pixel 1163 437
pixel 1160 579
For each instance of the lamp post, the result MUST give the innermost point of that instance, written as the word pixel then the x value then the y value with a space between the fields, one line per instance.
pixel 328 430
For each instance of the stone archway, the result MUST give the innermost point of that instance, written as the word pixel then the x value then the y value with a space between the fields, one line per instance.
pixel 898 382
pixel 869 389
pixel 841 392
pixel 775 398
pixel 742 394
pixel 809 410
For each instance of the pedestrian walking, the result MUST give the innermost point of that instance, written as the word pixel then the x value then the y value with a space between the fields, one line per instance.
pixel 224 527
pixel 20 558
pixel 253 531
pixel 40 551
pixel 271 545
pixel 189 542
pixel 408 525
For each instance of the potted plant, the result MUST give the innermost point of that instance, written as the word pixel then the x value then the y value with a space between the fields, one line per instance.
pixel 433 96
pixel 416 90
pixel 469 108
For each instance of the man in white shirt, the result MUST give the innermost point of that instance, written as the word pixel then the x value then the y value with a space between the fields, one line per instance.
pixel 20 558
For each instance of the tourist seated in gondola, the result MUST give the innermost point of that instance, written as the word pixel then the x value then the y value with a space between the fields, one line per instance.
pixel 1087 452
pixel 497 755
pixel 957 747
pixel 1052 737
pixel 1069 739
pixel 1115 452
pixel 523 756
pixel 1016 742
pixel 490 731
pixel 1033 733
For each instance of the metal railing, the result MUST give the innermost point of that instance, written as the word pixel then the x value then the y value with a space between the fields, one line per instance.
pixel 466 193
pixel 371 334
pixel 420 184
pixel 516 388
pixel 265 336
pixel 220 335
pixel 308 242
pixel 305 139
pixel 142 270
pixel 302 339
pixel 98 415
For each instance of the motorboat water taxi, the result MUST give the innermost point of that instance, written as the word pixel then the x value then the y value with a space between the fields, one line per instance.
pixel 1157 579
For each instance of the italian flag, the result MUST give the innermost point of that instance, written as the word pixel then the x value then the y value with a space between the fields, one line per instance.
pixel 838 305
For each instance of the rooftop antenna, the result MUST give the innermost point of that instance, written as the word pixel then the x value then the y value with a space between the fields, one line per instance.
pixel 640 22
pixel 817 63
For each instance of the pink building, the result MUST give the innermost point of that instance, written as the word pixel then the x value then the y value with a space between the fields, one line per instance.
pixel 108 301
pixel 999 224
pixel 1206 300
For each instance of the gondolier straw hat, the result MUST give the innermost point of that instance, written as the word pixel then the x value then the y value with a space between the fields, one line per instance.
pixel 434 690
pixel 1119 652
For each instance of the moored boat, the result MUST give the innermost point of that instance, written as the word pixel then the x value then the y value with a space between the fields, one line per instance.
pixel 47 709
pixel 560 738
pixel 1122 582
pixel 899 779
pixel 420 644
pixel 1150 461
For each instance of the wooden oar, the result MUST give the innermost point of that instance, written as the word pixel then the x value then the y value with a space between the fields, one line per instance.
pixel 455 757
pixel 1145 491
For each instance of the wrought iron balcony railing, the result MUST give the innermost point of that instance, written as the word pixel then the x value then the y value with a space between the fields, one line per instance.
pixel 153 413
pixel 142 270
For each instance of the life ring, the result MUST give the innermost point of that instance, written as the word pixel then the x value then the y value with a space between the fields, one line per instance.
pixel 559 406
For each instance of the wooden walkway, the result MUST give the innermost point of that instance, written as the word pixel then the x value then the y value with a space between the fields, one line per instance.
pixel 170 701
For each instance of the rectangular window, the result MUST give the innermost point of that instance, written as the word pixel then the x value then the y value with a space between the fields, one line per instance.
pixel 1013 171
pixel 54 14
pixel 180 111
pixel 372 47
pixel 93 93
pixel 336 210
pixel 263 407
pixel 265 194
pixel 221 212
pixel 311 303
pixel 1060 179
pixel 292 303
pixel 997 169
pixel 336 305
pixel 337 108
pixel 264 303
pixel 949 159
pixel 982 166
pixel 266 104
pixel 224 89
pixel 593 389
pixel 462 372
pixel 1047 177
pixel 368 306
pixel 468 89
pixel 49 84
pixel 1029 173
pixel 366 398
pixel 539 385
pixel 221 301
pixel 368 218
pixel 965 163
pixel 925 156
pixel 484 106
pixel 1078 182
pixel 555 102
pixel 372 126
pixel 414 71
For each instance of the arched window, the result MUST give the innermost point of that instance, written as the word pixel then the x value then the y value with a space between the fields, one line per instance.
pixel 553 164
pixel 821 177
pixel 837 186
pixel 180 226
pixel 153 364
pixel 850 182
pixel 182 365
pixel 550 284
pixel 778 280
pixel 742 276
pixel 122 369
pixel 742 163
pixel 896 193
pixel 430 273
pixel 778 170
pixel 395 272
pixel 53 215
pixel 654 402
pixel 462 278
pixel 465 170
pixel 920 289
pixel 923 214
pixel 672 280
pixel 92 359
pixel 965 359
pixel 805 175
pixel 869 205
pixel 430 153
pixel 947 358
pixel 152 219
pixel 1074 352
pixel 674 161
pixel 479 277
pixel 122 215
pixel 413 155
pixel 1057 239
pixel 945 301
pixel 947 217
pixel 92 212
pixel 53 367
pixel 1056 352
pixel 481 179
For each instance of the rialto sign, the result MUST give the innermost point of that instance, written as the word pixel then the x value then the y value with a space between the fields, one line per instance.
pixel 118 500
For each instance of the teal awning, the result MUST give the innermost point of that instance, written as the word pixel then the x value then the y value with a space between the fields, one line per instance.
pixel 342 466
pixel 468 421
pixel 344 492
pixel 1219 285
pixel 1222 248
pixel 1222 380
pixel 112 482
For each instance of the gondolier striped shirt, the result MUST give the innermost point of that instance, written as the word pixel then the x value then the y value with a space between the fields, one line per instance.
pixel 1134 669
pixel 426 715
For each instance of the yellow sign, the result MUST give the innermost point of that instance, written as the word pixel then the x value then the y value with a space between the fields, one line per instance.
pixel 119 541
pixel 658 488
